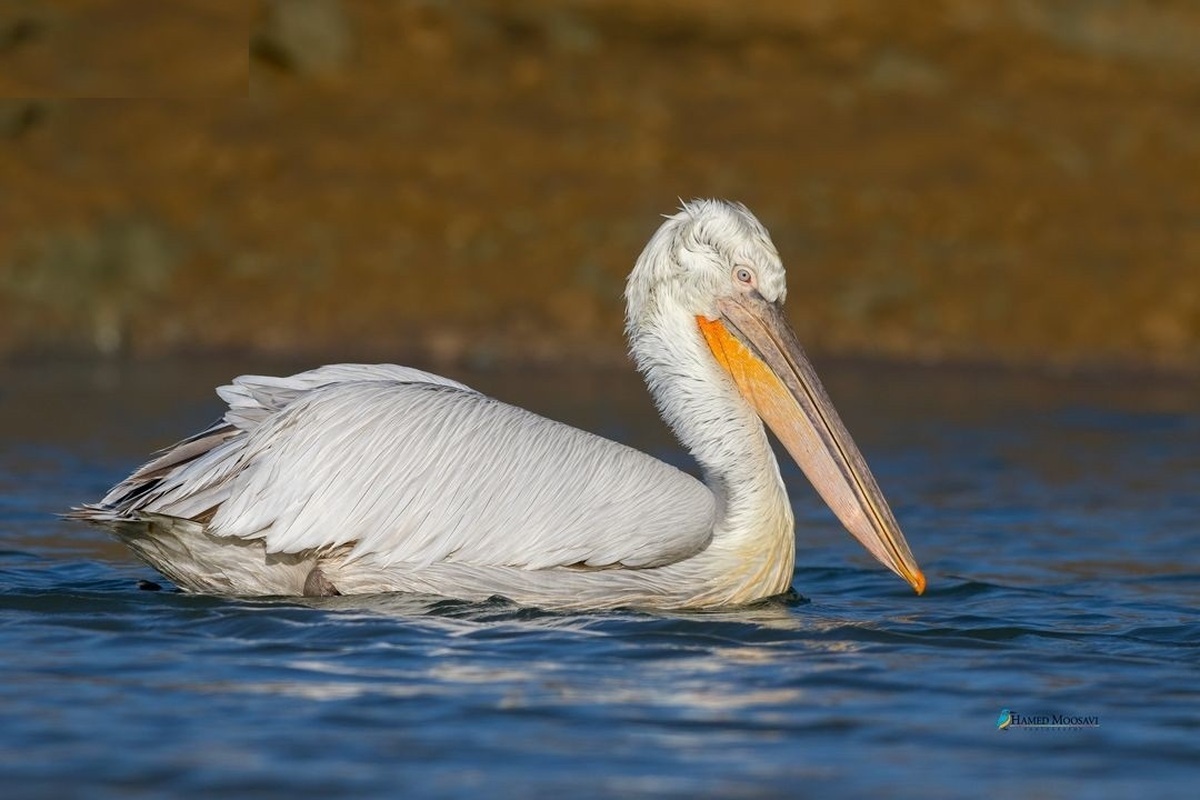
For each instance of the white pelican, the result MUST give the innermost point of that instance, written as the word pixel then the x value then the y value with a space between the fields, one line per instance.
pixel 357 478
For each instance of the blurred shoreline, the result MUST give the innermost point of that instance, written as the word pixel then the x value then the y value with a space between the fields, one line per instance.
pixel 963 183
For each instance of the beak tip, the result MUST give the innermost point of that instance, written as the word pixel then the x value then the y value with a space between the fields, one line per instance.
pixel 918 582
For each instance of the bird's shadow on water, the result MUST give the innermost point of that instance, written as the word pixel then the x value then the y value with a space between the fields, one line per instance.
pixel 773 612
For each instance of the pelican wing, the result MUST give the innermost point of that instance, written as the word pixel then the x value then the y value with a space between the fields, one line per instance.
pixel 406 467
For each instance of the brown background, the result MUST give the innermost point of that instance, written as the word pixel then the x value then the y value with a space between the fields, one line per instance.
pixel 996 181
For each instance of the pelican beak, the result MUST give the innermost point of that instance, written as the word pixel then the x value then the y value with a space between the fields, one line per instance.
pixel 752 340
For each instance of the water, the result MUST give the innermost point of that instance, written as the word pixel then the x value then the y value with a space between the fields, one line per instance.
pixel 1057 522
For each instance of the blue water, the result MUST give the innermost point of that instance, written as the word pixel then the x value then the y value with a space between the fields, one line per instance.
pixel 1058 522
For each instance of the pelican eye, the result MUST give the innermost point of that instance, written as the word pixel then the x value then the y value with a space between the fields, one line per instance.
pixel 744 275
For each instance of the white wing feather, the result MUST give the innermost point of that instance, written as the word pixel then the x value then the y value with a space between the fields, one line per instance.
pixel 406 467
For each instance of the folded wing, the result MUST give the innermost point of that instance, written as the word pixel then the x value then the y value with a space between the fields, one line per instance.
pixel 406 467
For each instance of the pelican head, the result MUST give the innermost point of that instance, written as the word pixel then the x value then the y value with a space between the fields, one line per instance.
pixel 707 329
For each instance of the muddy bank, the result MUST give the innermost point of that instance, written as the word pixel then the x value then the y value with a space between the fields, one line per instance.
pixel 966 181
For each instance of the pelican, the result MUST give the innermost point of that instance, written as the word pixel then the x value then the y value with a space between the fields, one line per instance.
pixel 355 478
